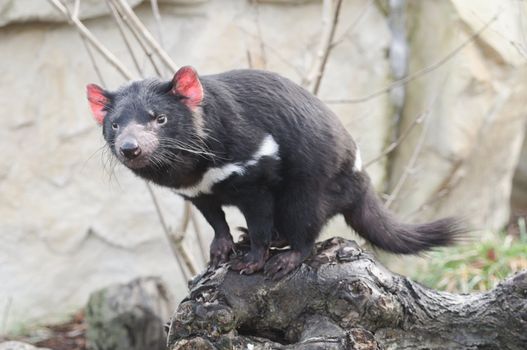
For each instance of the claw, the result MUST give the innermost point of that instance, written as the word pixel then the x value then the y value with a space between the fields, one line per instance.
pixel 220 249
pixel 281 264
pixel 250 263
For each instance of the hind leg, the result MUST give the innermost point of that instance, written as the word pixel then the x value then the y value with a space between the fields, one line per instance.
pixel 277 241
pixel 299 217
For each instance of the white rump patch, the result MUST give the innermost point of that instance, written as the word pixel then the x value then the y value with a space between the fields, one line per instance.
pixel 268 148
pixel 357 166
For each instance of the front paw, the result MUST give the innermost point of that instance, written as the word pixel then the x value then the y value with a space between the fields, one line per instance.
pixel 220 248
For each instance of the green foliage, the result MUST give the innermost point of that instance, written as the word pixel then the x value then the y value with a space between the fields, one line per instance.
pixel 477 266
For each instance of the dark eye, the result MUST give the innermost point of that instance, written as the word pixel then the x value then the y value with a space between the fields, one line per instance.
pixel 161 119
pixel 115 126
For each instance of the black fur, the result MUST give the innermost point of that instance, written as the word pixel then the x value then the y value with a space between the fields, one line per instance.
pixel 291 197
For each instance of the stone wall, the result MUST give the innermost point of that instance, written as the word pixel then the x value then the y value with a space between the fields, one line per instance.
pixel 71 223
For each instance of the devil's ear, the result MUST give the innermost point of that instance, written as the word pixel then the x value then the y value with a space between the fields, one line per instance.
pixel 186 84
pixel 98 100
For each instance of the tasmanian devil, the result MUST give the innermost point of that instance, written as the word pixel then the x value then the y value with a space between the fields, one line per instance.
pixel 257 141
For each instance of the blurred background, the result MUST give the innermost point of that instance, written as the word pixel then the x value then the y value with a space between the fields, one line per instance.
pixel 434 92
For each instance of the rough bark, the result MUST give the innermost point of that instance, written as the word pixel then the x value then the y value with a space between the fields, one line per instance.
pixel 342 298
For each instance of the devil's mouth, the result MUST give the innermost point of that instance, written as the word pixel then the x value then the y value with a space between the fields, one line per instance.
pixel 136 163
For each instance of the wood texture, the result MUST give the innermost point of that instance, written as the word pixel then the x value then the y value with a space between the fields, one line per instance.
pixel 342 298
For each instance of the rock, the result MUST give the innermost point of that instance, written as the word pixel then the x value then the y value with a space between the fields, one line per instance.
pixel 19 11
pixel 129 316
pixel 475 125
pixel 16 345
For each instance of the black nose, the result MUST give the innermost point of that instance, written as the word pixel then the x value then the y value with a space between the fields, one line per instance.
pixel 130 148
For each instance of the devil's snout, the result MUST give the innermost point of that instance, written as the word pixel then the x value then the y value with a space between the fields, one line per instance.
pixel 130 148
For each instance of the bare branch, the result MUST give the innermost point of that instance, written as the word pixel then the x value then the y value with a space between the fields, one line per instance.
pixel 329 25
pixel 353 25
pixel 94 63
pixel 274 51
pixel 125 9
pixel 260 35
pixel 408 169
pixel 120 26
pixel 76 8
pixel 420 72
pixel 177 249
pixel 446 187
pixel 85 32
pixel 137 35
pixel 418 120
pixel 199 236
pixel 157 16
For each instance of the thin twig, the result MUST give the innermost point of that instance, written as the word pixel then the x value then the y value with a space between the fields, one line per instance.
pixel 179 235
pixel 446 186
pixel 409 168
pixel 260 35
pixel 275 52
pixel 125 8
pixel 159 27
pixel 249 58
pixel 110 57
pixel 157 17
pixel 353 24
pixel 199 237
pixel 120 26
pixel 418 120
pixel 137 35
pixel 327 9
pixel 92 58
pixel 329 26
pixel 76 8
pixel 177 250
pixel 420 72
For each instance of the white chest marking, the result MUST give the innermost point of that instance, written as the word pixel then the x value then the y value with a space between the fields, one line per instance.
pixel 268 148
pixel 357 166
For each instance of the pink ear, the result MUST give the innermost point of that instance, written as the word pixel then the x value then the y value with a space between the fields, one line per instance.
pixel 97 101
pixel 186 83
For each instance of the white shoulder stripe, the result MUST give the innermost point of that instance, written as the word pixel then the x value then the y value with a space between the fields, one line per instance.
pixel 268 148
pixel 211 177
pixel 357 166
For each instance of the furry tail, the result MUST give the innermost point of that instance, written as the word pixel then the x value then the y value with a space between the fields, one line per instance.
pixel 370 219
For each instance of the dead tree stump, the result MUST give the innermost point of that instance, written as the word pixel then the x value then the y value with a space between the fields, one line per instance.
pixel 342 298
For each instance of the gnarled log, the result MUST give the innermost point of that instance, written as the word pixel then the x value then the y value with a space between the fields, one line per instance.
pixel 342 298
